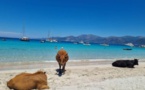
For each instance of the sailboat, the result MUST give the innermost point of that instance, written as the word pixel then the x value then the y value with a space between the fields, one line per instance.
pixel 50 39
pixel 129 44
pixel 87 44
pixel 81 42
pixel 24 38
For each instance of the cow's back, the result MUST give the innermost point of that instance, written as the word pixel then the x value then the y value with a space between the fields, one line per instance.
pixel 120 63
pixel 27 81
pixel 21 82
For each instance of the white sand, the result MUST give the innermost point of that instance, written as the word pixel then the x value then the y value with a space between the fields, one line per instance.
pixel 88 77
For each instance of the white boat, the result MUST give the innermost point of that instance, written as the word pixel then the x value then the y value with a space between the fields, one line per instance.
pixel 87 44
pixel 24 38
pixel 42 41
pixel 50 39
pixel 81 42
pixel 129 44
pixel 53 40
pixel 143 46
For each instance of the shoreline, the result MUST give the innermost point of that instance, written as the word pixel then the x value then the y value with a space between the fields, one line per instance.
pixel 54 64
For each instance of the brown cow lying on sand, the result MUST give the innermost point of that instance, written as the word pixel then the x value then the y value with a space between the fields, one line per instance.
pixel 125 63
pixel 62 57
pixel 29 81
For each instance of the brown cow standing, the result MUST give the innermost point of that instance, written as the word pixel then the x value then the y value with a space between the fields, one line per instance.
pixel 28 81
pixel 62 57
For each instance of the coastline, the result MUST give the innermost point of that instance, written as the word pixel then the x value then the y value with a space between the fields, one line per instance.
pixel 49 64
pixel 54 64
pixel 83 75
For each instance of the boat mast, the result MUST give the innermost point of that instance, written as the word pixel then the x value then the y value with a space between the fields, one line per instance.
pixel 48 34
pixel 23 33
pixel 49 38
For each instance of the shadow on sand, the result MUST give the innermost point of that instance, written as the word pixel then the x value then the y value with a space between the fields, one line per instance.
pixel 60 72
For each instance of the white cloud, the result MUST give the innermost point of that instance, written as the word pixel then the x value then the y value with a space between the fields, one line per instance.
pixel 10 34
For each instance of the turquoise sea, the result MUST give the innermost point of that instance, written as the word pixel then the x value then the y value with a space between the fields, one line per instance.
pixel 18 51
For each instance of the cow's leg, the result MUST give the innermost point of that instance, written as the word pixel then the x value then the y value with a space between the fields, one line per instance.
pixel 59 67
pixel 63 68
pixel 42 87
pixel 131 65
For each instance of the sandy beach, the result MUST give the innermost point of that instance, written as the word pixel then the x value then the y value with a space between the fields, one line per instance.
pixel 83 75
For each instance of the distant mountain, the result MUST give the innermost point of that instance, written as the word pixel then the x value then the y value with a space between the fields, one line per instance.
pixel 89 38
pixel 139 40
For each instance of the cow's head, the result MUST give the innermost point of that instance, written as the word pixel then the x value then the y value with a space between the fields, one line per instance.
pixel 135 61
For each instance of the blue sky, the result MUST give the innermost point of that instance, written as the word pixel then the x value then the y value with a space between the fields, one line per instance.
pixel 72 17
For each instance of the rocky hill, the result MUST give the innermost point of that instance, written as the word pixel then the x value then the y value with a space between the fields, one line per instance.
pixel 137 40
